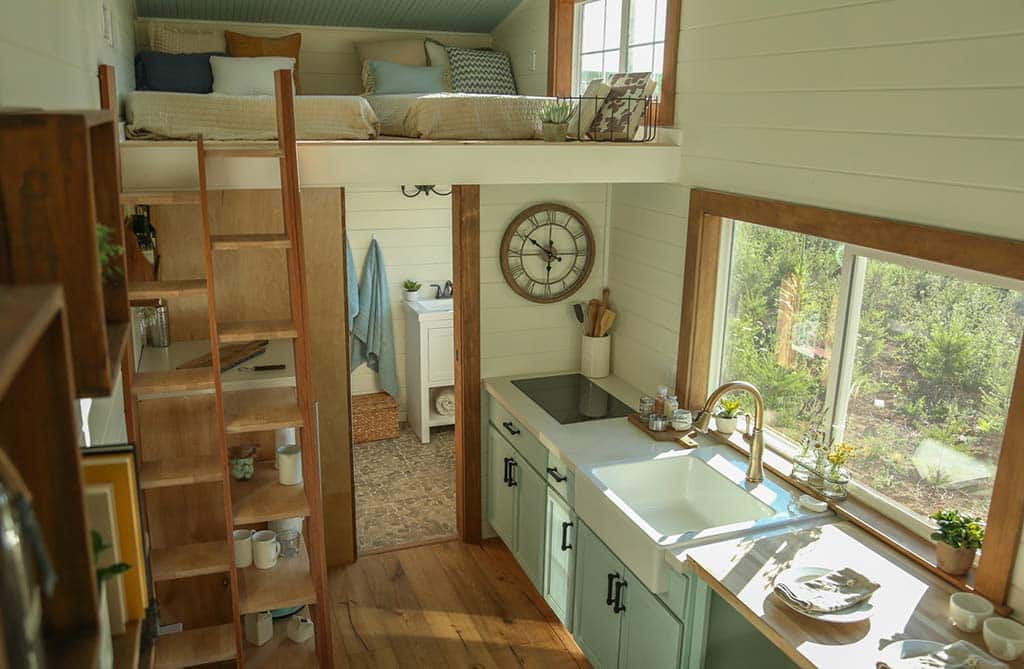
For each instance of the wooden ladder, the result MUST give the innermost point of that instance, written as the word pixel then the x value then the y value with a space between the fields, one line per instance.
pixel 294 581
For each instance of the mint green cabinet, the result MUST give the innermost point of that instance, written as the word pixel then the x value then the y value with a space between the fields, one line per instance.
pixel 559 557
pixel 531 503
pixel 501 497
pixel 651 635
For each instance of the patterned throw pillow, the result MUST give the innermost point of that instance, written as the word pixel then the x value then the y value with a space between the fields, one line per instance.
pixel 253 46
pixel 619 117
pixel 167 39
pixel 479 71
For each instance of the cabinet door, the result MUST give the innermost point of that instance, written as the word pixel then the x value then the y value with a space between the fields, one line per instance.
pixel 440 356
pixel 595 623
pixel 559 558
pixel 651 636
pixel 531 492
pixel 501 497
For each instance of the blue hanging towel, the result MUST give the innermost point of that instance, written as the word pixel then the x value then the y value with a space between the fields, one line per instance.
pixel 352 284
pixel 373 337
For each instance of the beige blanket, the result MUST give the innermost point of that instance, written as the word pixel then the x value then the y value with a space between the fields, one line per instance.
pixel 460 116
pixel 158 115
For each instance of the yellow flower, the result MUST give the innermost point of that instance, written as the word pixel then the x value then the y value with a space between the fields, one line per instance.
pixel 840 453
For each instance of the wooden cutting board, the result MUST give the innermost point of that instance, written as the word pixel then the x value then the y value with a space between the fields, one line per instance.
pixel 231 355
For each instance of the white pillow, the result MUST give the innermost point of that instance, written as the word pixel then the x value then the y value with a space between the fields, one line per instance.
pixel 247 76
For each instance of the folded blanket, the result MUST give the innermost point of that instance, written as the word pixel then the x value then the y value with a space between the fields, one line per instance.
pixel 831 592
pixel 961 654
pixel 444 402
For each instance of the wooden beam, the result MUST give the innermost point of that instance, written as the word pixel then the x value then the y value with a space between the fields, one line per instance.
pixel 673 24
pixel 466 263
pixel 560 45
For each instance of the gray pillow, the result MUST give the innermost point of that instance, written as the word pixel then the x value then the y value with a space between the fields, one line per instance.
pixel 480 71
pixel 174 72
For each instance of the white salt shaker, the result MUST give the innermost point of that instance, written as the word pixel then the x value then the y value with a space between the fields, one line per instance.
pixel 259 628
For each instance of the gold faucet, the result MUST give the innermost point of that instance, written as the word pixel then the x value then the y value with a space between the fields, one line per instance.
pixel 755 470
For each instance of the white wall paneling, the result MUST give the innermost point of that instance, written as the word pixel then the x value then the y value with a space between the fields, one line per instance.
pixel 524 35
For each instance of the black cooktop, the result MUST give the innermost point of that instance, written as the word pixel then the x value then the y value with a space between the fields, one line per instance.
pixel 572 398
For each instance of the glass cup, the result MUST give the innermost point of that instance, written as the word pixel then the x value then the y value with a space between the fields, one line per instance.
pixel 682 420
pixel 289 543
pixel 646 406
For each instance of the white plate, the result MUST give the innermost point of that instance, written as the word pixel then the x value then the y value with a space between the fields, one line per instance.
pixel 855 614
pixel 908 648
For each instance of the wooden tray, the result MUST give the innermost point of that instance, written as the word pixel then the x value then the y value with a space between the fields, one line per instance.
pixel 680 437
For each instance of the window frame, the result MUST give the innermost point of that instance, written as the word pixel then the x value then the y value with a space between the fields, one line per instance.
pixel 936 249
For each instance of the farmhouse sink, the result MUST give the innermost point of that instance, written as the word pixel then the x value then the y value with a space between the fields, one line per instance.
pixel 644 508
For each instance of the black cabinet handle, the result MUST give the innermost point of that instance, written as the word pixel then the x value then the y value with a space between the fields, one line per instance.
pixel 619 607
pixel 565 536
pixel 555 474
pixel 512 465
pixel 612 577
pixel 508 462
pixel 510 427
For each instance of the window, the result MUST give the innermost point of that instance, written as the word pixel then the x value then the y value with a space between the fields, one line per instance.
pixel 619 36
pixel 911 361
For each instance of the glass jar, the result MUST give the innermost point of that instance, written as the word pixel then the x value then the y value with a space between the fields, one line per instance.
pixel 289 543
pixel 656 423
pixel 682 420
pixel 660 399
pixel 646 406
pixel 671 404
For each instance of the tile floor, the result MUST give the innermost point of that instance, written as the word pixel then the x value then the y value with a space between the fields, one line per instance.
pixel 405 490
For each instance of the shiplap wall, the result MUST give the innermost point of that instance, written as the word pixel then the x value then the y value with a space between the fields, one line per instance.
pixel 524 35
pixel 518 336
pixel 329 59
pixel 415 235
pixel 49 52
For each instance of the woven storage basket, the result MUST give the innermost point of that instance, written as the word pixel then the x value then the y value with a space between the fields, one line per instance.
pixel 374 417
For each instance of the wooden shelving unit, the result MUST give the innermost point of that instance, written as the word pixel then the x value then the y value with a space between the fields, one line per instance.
pixel 64 182
pixel 198 646
pixel 262 498
pixel 39 428
pixel 288 584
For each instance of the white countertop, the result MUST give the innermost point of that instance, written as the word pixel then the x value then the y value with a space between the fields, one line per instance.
pixel 432 310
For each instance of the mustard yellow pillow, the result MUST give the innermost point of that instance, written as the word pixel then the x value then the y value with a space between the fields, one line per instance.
pixel 250 46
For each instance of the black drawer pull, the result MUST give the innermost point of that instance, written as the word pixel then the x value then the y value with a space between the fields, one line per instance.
pixel 510 427
pixel 512 465
pixel 619 607
pixel 565 536
pixel 508 461
pixel 611 581
pixel 555 474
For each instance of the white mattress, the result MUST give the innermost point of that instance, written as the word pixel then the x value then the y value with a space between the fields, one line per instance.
pixel 159 115
pixel 459 116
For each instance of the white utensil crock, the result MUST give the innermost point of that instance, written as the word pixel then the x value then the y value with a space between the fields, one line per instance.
pixel 289 465
pixel 265 549
pixel 596 356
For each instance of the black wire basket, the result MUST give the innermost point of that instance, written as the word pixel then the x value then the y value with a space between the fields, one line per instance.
pixel 637 121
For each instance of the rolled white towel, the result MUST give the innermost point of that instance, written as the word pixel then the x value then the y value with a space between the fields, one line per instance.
pixel 444 402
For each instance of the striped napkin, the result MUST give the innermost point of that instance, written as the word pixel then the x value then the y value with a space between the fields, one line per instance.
pixel 835 591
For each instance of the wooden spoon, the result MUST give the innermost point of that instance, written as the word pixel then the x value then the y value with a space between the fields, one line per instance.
pixel 592 308
pixel 607 319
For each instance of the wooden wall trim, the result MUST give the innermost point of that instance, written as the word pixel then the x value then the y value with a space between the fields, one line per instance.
pixel 980 253
pixel 673 25
pixel 560 45
pixel 466 268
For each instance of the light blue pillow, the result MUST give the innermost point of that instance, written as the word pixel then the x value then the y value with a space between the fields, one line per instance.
pixel 390 77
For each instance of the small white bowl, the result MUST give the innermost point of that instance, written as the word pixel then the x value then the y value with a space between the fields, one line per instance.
pixel 1004 638
pixel 968 611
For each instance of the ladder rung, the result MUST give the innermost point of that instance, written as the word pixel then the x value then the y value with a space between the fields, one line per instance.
pixel 190 560
pixel 173 381
pixel 244 331
pixel 243 152
pixel 160 197
pixel 153 290
pixel 180 471
pixel 258 241
pixel 261 410
pixel 202 645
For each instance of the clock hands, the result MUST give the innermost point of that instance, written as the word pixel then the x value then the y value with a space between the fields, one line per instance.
pixel 549 251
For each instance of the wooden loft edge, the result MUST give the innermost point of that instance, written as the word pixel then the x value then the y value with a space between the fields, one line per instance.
pixel 27 313
pixel 159 197
pixel 91 117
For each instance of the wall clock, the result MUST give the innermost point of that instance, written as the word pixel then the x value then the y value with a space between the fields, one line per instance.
pixel 547 253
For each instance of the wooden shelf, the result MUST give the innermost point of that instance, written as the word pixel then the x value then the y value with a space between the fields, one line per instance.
pixel 173 381
pixel 215 151
pixel 180 471
pixel 155 290
pixel 28 312
pixel 197 646
pixel 126 646
pixel 190 560
pixel 255 241
pixel 158 197
pixel 81 650
pixel 261 410
pixel 243 331
pixel 262 498
pixel 289 583
pixel 281 652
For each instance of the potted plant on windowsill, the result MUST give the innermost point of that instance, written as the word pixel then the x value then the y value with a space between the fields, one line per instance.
pixel 725 419
pixel 554 118
pixel 411 290
pixel 109 253
pixel 959 537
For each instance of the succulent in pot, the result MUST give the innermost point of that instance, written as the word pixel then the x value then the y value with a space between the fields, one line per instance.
pixel 411 290
pixel 958 538
pixel 554 118
pixel 725 419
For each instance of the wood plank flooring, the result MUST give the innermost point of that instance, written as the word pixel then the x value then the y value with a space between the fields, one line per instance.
pixel 445 605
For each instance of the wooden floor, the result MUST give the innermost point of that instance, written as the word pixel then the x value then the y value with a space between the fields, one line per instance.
pixel 445 605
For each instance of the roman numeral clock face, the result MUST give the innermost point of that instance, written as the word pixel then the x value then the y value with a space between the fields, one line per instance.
pixel 547 253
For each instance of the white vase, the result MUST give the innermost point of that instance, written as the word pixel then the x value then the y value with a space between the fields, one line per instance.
pixel 411 295
pixel 725 426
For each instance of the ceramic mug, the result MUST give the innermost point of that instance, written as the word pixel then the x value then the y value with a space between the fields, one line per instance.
pixel 265 549
pixel 968 611
pixel 1004 638
pixel 243 548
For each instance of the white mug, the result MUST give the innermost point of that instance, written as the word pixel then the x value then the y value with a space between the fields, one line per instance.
pixel 265 549
pixel 968 611
pixel 289 465
pixel 243 548
pixel 1004 638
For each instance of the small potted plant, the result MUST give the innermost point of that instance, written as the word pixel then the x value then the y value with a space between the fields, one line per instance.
pixel 411 290
pixel 725 419
pixel 959 537
pixel 110 268
pixel 554 118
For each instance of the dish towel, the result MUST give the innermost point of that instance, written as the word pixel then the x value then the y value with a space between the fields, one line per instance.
pixel 373 337
pixel 959 655
pixel 352 284
pixel 831 592
pixel 444 402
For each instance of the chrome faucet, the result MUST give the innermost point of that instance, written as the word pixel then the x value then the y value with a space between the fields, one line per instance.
pixel 444 293
pixel 755 470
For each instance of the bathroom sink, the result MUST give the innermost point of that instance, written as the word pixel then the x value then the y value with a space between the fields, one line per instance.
pixel 437 305
pixel 642 509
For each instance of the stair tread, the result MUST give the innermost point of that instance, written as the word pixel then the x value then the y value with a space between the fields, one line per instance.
pixel 151 290
pixel 250 241
pixel 261 410
pixel 243 331
pixel 193 647
pixel 185 561
pixel 180 471
pixel 173 381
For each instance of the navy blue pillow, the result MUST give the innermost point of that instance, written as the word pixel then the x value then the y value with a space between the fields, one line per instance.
pixel 174 72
